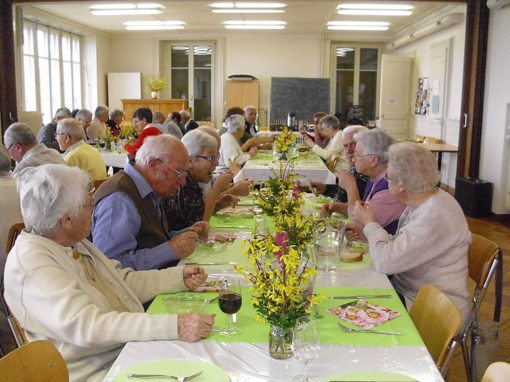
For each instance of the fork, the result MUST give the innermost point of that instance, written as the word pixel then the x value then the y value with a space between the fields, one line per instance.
pixel 349 330
pixel 164 376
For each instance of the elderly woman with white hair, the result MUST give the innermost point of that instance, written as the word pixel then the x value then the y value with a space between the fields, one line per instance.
pixel 97 128
pixel 189 205
pixel 61 288
pixel 230 144
pixel 432 238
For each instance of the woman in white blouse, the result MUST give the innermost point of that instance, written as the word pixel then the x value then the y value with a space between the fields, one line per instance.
pixel 329 126
pixel 230 144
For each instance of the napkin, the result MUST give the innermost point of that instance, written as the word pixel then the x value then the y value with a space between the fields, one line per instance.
pixel 363 313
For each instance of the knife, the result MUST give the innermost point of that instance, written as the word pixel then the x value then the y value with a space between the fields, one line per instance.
pixel 362 296
pixel 214 263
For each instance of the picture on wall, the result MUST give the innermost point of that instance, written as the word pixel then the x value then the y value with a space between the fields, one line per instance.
pixel 421 106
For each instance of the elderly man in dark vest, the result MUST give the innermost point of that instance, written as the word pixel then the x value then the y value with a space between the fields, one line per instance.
pixel 129 224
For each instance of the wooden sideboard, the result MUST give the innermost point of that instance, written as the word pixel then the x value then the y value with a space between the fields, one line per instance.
pixel 163 105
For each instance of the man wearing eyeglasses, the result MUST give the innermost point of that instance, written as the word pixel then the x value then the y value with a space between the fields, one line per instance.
pixel 23 148
pixel 129 224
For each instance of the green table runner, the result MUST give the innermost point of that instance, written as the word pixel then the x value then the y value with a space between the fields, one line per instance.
pixel 255 332
pixel 219 252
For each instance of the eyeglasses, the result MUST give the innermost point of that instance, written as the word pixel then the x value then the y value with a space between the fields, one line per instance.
pixel 10 146
pixel 180 174
pixel 210 158
pixel 350 144
pixel 57 134
pixel 356 156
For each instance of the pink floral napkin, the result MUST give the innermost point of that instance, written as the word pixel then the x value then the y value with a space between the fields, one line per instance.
pixel 363 313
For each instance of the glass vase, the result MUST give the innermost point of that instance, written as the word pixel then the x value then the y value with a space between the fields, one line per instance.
pixel 280 342
pixel 282 156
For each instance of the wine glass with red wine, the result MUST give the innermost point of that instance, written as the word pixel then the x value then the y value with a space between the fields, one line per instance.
pixel 230 302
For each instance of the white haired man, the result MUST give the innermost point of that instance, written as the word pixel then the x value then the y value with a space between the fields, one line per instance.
pixel 187 122
pixel 250 115
pixel 97 128
pixel 70 136
pixel 61 287
pixel 85 117
pixel 46 135
pixel 129 224
pixel 24 149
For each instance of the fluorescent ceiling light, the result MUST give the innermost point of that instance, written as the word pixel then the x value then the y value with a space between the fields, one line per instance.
pixel 401 7
pixel 369 12
pixel 153 25
pixel 356 28
pixel 247 5
pixel 124 9
pixel 358 25
pixel 254 24
pixel 248 11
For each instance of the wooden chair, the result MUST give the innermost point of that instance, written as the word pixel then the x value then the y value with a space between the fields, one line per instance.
pixel 420 138
pixel 331 163
pixel 35 361
pixel 14 232
pixel 484 260
pixel 437 319
pixel 16 329
pixel 497 372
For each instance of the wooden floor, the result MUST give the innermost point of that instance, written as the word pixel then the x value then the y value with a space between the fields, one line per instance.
pixel 495 231
pixel 500 234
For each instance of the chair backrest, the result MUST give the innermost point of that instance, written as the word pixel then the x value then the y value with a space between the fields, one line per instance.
pixel 484 257
pixel 437 319
pixel 35 361
pixel 497 372
pixel 234 166
pixel 431 140
pixel 13 235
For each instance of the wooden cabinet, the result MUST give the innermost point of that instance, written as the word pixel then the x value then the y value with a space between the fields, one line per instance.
pixel 163 105
pixel 241 94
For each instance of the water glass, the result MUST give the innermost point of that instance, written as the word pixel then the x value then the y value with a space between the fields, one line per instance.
pixel 305 344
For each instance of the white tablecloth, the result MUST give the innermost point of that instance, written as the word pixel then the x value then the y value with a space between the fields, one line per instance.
pixel 114 159
pixel 248 362
pixel 259 173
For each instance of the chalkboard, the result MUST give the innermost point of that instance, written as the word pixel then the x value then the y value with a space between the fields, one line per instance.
pixel 302 96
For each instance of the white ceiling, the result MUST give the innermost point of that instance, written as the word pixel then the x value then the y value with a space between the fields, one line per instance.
pixel 301 16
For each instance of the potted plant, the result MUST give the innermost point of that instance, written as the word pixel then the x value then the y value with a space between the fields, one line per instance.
pixel 155 86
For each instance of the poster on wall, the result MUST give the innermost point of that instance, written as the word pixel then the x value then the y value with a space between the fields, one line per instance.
pixel 421 105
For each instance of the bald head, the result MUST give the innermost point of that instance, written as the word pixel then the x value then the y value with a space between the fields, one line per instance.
pixel 211 131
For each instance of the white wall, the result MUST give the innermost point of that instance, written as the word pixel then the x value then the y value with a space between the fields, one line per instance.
pixel 421 125
pixel 494 164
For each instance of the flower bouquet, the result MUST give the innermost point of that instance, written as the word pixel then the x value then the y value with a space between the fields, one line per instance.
pixel 281 287
pixel 156 85
pixel 284 142
pixel 108 138
pixel 128 130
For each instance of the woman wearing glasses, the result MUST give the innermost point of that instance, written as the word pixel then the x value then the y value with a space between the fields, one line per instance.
pixel 432 239
pixel 189 205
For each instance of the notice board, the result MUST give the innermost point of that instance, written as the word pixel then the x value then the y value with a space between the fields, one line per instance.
pixel 302 96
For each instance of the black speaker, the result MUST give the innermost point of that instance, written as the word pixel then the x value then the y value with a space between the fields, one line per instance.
pixel 474 196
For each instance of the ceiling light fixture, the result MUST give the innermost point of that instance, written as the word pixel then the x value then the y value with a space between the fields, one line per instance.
pixel 254 24
pixel 358 25
pixel 126 9
pixel 375 9
pixel 154 25
pixel 249 7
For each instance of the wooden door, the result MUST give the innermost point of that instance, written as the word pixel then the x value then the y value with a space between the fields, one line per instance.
pixel 394 109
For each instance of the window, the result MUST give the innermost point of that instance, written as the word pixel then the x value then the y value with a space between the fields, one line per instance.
pixel 191 77
pixel 51 69
pixel 356 79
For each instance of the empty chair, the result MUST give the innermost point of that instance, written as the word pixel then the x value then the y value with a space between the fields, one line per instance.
pixel 437 319
pixel 497 372
pixel 485 260
pixel 35 361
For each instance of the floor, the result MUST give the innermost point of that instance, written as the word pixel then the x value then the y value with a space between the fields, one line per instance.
pixel 495 231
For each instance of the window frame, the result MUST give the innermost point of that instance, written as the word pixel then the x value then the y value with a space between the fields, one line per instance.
pixel 77 99
pixel 357 60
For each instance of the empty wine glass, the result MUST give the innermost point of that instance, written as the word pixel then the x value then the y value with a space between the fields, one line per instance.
pixel 230 302
pixel 305 344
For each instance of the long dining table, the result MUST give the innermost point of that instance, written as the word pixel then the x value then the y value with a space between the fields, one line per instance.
pixel 244 357
pixel 307 166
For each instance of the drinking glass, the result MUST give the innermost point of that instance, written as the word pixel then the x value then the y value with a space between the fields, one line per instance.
pixel 305 344
pixel 230 302
pixel 328 245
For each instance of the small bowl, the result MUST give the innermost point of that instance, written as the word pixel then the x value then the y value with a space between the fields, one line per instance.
pixel 195 304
